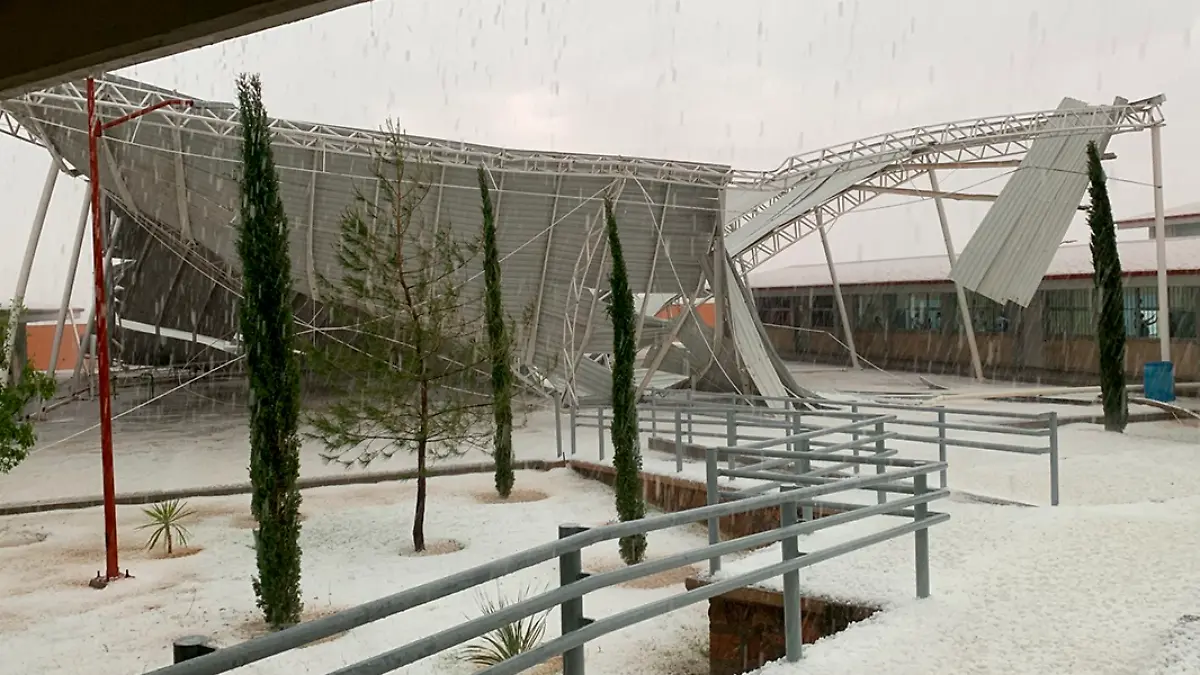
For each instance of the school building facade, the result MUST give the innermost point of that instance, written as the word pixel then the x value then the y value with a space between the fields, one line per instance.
pixel 904 315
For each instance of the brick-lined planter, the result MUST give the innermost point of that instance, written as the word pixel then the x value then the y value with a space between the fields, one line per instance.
pixel 746 628
pixel 673 494
pixel 699 453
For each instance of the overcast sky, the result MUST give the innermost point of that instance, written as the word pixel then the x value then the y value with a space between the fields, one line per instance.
pixel 747 83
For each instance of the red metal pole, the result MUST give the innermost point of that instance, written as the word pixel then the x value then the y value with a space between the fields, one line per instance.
pixel 111 568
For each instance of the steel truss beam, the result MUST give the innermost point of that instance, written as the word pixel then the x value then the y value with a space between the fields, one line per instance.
pixel 118 96
pixel 984 140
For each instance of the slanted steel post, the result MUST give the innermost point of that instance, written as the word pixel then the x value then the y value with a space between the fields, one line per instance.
pixel 921 511
pixel 574 420
pixel 12 371
pixel 600 428
pixel 792 620
pixel 558 439
pixel 712 496
pixel 1053 424
pixel 64 306
pixel 963 308
pixel 942 442
pixel 570 570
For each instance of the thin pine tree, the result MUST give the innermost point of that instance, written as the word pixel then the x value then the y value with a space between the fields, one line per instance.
pixel 627 456
pixel 268 335
pixel 498 345
pixel 1106 277
pixel 412 375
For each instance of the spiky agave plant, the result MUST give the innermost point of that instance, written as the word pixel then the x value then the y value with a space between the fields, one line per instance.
pixel 166 519
pixel 507 641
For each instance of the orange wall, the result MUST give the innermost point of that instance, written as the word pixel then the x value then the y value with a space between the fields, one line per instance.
pixel 707 312
pixel 40 338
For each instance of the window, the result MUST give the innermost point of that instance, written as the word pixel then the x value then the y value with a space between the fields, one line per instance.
pixel 1184 302
pixel 917 312
pixel 823 313
pixel 870 313
pixel 987 315
pixel 775 309
pixel 1141 312
pixel 1068 313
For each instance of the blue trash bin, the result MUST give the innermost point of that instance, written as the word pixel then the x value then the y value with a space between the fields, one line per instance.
pixel 1158 381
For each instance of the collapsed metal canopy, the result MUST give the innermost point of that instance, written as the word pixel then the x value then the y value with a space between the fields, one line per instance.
pixel 689 230
pixel 171 181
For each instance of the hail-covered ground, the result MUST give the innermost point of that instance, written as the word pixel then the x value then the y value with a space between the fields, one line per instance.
pixel 1097 584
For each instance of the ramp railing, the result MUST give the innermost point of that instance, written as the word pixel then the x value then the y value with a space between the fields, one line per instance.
pixel 798 491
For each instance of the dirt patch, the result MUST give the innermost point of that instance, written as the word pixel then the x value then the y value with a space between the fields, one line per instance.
pixel 160 553
pixel 666 579
pixel 551 667
pixel 11 621
pixel 434 547
pixel 245 521
pixel 383 494
pixel 125 548
pixel 204 511
pixel 256 627
pixel 10 539
pixel 515 497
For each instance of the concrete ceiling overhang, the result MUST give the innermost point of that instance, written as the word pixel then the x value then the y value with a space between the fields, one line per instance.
pixel 51 41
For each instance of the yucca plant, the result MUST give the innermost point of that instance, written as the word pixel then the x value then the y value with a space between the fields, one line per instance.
pixel 507 641
pixel 166 519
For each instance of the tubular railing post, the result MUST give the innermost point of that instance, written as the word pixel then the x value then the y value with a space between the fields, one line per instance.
pixel 574 420
pixel 731 436
pixel 570 570
pixel 942 442
pixel 854 434
pixel 558 439
pixel 688 394
pixel 880 447
pixel 792 619
pixel 712 496
pixel 920 512
pixel 653 417
pixel 600 428
pixel 804 445
pixel 678 440
pixel 1053 424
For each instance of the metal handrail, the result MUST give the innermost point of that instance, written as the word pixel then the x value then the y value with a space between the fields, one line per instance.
pixel 269 645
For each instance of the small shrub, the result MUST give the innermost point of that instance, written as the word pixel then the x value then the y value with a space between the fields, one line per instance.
pixel 507 641
pixel 166 519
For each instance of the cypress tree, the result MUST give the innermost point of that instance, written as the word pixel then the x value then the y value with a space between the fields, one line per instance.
pixel 498 346
pixel 267 334
pixel 627 456
pixel 1106 277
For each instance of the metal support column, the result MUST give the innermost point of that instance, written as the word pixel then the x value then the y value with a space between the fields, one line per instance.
pixel 1163 320
pixel 570 570
pixel 18 300
pixel 64 305
pixel 963 308
pixel 837 294
pixel 792 617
